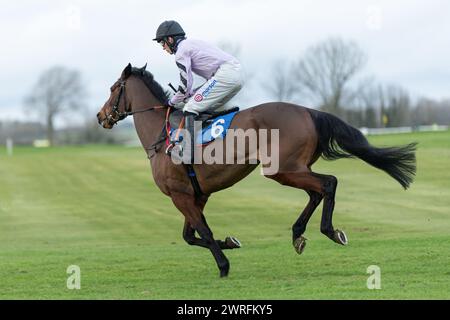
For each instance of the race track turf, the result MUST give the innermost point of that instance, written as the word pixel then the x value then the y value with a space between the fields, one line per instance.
pixel 97 207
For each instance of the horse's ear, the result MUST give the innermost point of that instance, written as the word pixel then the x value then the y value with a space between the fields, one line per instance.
pixel 143 69
pixel 126 72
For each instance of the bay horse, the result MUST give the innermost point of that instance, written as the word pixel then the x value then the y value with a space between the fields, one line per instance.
pixel 304 136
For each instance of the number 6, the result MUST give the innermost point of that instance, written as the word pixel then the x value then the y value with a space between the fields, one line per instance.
pixel 217 128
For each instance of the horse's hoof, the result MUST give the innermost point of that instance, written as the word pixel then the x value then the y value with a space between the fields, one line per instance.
pixel 300 244
pixel 232 242
pixel 340 237
pixel 224 272
pixel 224 268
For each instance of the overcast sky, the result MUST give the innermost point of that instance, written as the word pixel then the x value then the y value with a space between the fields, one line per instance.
pixel 407 42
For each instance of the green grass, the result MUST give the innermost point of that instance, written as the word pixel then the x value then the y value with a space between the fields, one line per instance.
pixel 97 207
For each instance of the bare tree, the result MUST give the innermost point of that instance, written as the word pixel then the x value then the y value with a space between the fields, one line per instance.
pixel 326 70
pixel 425 112
pixel 281 84
pixel 369 99
pixel 429 111
pixel 396 105
pixel 57 91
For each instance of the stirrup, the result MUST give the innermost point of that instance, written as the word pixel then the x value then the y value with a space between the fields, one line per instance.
pixel 173 145
pixel 169 149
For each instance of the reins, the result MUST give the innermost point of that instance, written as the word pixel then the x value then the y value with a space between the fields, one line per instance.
pixel 165 131
pixel 123 115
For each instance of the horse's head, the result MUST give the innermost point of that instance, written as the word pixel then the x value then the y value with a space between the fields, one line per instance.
pixel 117 106
pixel 124 93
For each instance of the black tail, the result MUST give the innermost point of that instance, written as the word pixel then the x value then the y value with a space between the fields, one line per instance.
pixel 340 140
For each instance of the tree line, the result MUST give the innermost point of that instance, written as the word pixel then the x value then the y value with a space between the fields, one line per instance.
pixel 330 76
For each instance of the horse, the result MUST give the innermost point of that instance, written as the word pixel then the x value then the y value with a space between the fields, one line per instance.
pixel 304 135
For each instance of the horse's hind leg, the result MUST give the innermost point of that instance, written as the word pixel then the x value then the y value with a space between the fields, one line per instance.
pixel 318 186
pixel 302 180
pixel 328 185
pixel 299 227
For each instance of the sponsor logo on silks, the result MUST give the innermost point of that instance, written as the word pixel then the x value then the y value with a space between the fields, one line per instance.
pixel 199 97
pixel 208 89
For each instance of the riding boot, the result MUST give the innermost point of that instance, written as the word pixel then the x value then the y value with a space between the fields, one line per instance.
pixel 189 119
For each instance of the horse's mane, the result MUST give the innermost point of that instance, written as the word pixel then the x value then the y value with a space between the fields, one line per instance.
pixel 151 83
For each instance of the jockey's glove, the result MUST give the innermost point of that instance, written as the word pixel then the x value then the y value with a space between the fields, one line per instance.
pixel 167 103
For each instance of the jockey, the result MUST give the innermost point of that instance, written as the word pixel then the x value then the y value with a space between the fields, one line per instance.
pixel 221 71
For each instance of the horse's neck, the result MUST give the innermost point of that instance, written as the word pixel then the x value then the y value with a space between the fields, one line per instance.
pixel 148 124
pixel 148 127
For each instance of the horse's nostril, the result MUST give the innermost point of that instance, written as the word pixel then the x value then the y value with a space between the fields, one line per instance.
pixel 98 115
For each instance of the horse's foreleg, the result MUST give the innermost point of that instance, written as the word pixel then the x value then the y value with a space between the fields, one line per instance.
pixel 191 239
pixel 192 210
pixel 206 234
pixel 229 243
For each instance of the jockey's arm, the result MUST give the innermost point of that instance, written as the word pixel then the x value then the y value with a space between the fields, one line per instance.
pixel 186 79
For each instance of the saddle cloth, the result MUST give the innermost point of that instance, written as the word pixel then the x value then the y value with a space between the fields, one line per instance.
pixel 214 124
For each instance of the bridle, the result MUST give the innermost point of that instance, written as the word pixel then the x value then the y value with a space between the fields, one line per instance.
pixel 115 116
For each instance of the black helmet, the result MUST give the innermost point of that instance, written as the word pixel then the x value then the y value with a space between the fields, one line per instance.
pixel 168 29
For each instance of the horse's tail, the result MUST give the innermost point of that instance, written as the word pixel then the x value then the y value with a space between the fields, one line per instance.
pixel 338 140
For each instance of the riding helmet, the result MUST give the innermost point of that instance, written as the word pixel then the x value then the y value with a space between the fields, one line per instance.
pixel 168 28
